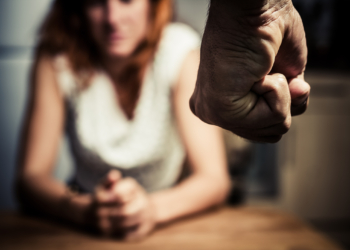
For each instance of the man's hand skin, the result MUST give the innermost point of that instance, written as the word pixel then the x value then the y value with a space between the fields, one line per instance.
pixel 251 75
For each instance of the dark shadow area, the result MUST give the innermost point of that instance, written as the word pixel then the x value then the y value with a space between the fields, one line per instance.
pixel 326 24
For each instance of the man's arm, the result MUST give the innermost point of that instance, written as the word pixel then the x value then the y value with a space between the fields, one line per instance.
pixel 245 45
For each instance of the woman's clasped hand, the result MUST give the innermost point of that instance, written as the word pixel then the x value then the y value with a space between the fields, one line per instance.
pixel 123 208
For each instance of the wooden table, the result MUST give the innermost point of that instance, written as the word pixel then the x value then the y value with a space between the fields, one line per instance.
pixel 244 228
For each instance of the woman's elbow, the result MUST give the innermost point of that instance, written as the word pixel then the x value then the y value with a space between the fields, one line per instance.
pixel 223 188
pixel 20 190
pixel 23 185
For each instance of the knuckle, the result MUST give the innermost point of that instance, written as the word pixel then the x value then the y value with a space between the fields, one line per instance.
pixel 104 226
pixel 279 84
pixel 97 190
pixel 285 126
pixel 281 77
pixel 101 213
pixel 130 181
pixel 129 186
pixel 280 115
pixel 128 223
pixel 126 213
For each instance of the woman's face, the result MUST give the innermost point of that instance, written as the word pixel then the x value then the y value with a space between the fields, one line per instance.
pixel 118 26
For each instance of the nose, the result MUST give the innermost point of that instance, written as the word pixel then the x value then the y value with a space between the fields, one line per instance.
pixel 112 12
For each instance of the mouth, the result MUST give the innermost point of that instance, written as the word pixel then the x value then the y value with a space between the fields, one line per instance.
pixel 115 37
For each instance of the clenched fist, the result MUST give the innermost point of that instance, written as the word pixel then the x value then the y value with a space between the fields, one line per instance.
pixel 251 75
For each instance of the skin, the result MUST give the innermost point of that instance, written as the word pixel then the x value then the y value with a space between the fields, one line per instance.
pixel 119 206
pixel 251 76
pixel 118 27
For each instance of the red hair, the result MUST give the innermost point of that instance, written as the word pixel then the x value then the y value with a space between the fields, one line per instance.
pixel 65 31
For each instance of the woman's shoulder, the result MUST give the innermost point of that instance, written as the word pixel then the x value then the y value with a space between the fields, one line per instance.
pixel 178 40
pixel 180 35
pixel 60 62
pixel 63 73
pixel 181 29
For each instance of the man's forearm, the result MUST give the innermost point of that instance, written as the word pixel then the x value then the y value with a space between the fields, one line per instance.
pixel 248 5
pixel 253 13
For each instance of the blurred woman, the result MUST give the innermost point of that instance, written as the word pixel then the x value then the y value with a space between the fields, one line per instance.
pixel 117 76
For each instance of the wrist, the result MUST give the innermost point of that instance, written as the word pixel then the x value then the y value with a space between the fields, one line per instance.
pixel 160 208
pixel 76 207
pixel 248 13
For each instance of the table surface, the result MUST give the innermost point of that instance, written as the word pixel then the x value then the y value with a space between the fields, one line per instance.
pixel 244 228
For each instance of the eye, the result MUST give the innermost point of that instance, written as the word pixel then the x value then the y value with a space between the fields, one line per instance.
pixel 92 3
pixel 126 1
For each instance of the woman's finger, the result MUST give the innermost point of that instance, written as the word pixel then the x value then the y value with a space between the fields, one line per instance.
pixel 105 226
pixel 103 192
pixel 112 177
pixel 125 190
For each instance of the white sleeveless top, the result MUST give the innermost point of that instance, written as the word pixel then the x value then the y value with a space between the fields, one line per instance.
pixel 148 147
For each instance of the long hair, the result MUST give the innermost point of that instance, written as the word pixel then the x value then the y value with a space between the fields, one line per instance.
pixel 65 31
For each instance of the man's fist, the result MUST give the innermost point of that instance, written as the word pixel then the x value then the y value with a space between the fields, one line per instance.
pixel 250 80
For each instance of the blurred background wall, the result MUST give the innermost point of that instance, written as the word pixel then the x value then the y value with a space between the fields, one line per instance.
pixel 18 22
pixel 307 173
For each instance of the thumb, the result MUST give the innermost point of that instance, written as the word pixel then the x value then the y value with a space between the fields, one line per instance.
pixel 112 177
pixel 299 92
pixel 103 191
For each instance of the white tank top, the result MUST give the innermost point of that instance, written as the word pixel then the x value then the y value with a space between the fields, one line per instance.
pixel 148 147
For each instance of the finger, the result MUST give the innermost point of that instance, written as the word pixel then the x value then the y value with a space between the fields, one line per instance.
pixel 274 89
pixel 112 177
pixel 274 130
pixel 129 215
pixel 118 219
pixel 299 109
pixel 299 91
pixel 110 223
pixel 122 223
pixel 273 105
pixel 103 192
pixel 125 190
pixel 105 226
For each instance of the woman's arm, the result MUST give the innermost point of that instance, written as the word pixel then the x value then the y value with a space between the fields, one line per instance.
pixel 36 187
pixel 209 183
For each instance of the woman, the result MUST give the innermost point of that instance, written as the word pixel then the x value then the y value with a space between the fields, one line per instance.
pixel 118 77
